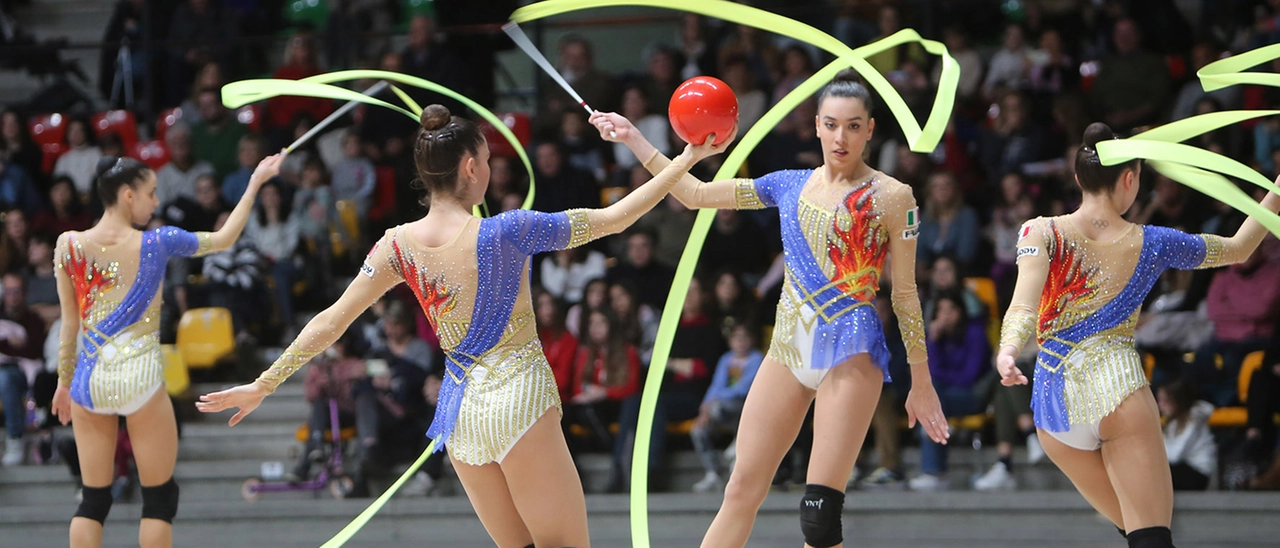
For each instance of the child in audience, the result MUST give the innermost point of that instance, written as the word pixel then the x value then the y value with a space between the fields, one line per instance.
pixel 723 403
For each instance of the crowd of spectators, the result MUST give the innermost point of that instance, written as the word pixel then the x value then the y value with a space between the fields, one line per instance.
pixel 1027 89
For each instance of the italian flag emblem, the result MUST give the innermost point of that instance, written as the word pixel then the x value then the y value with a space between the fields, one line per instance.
pixel 913 216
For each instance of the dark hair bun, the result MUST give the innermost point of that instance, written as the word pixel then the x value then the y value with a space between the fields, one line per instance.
pixel 105 164
pixel 435 117
pixel 1097 132
pixel 848 75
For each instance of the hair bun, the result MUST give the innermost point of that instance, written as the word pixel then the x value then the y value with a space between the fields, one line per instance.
pixel 848 75
pixel 1096 132
pixel 435 117
pixel 105 164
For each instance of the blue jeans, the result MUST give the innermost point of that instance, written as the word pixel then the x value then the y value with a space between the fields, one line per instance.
pixel 13 388
pixel 956 401
pixel 285 275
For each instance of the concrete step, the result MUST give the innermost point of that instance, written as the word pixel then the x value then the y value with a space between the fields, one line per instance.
pixel 1234 520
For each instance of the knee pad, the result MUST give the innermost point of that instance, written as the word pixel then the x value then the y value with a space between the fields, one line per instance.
pixel 95 503
pixel 820 512
pixel 160 502
pixel 1151 537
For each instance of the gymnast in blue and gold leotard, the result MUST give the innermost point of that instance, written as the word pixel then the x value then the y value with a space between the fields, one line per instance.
pixel 471 277
pixel 843 225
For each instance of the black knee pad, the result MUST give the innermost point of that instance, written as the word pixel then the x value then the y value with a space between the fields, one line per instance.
pixel 1151 537
pixel 95 503
pixel 1122 533
pixel 820 512
pixel 160 502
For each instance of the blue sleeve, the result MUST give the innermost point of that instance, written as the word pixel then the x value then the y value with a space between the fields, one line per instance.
pixel 177 242
pixel 1175 248
pixel 772 186
pixel 740 389
pixel 535 232
pixel 719 379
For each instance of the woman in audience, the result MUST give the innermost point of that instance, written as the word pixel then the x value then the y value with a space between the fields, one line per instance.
pixel 943 279
pixel 828 345
pixel 637 322
pixel 274 230
pixel 109 361
pixel 559 345
pixel 493 409
pixel 606 373
pixel 80 159
pixel 16 146
pixel 948 225
pixel 1188 442
pixel 595 296
pixel 65 212
pixel 567 272
pixel 722 406
pixel 733 306
pixel 1081 281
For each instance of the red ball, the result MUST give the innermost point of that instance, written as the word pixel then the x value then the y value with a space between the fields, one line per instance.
pixel 703 105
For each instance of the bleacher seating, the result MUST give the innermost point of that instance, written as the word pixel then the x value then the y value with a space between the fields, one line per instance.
pixel 205 336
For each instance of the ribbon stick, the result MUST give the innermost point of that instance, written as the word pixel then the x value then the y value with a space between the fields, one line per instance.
pixel 237 94
pixel 1201 169
pixel 919 139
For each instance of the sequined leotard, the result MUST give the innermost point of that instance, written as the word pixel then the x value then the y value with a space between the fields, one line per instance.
pixel 1088 307
pixel 114 366
pixel 836 239
pixel 475 292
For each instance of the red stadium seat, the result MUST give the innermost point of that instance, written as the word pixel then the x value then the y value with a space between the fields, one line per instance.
pixel 121 122
pixel 51 153
pixel 48 128
pixel 168 119
pixel 384 194
pixel 153 153
pixel 250 115
pixel 519 124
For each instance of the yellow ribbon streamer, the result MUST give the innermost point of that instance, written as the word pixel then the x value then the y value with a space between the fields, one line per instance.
pixel 238 94
pixel 918 139
pixel 1201 169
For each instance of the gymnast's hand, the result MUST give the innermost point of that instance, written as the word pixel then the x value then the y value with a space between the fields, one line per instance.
pixel 267 168
pixel 1009 372
pixel 709 148
pixel 61 405
pixel 614 127
pixel 245 397
pixel 923 406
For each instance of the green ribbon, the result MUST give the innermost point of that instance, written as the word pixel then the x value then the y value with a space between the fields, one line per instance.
pixel 238 94
pixel 920 139
pixel 1195 167
pixel 356 524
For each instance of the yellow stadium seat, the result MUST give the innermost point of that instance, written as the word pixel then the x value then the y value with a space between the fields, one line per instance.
pixel 767 334
pixel 350 219
pixel 1252 362
pixel 985 290
pixel 972 423
pixel 344 434
pixel 1149 364
pixel 1229 417
pixel 205 335
pixel 176 376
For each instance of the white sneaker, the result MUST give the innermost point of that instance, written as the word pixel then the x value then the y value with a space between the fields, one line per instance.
pixel 710 482
pixel 927 482
pixel 421 485
pixel 996 479
pixel 12 452
pixel 1035 451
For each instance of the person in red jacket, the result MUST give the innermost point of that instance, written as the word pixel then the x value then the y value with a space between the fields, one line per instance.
pixel 605 375
pixel 559 345
pixel 300 62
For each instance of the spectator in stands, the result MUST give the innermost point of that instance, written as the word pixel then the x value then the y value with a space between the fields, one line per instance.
pixel 202 31
pixel 796 146
pixel 651 279
pixel 210 76
pixel 560 185
pixel 177 178
pixel 1052 72
pixel 22 336
pixel 1244 306
pixel 559 345
pixel 565 273
pixel 16 146
pixel 1015 207
pixel 1266 140
pixel 1188 442
pixel 636 107
pixel 299 62
pixel 752 102
pixel 889 21
pixel 1264 404
pixel 65 212
pixel 401 342
pixel 316 212
pixel 42 287
pixel 425 57
pixel 944 280
pixel 1192 91
pixel 735 243
pixel 699 51
pixel 331 376
pixel 959 355
pixel 577 65
pixel 583 149
pixel 670 223
pixel 797 66
pixel 13 242
pixel 661 77
pixel 354 177
pixel 733 306
pixel 969 61
pixel 291 167
pixel 594 297
pixel 251 150
pixel 1012 141
pixel 1008 68
pixel 948 225
pixel 1132 85
pixel 1013 420
pixel 232 280
pixel 274 231
pixel 392 412
pixel 606 373
pixel 637 322
pixel 215 136
pixel 81 158
pixel 886 422
pixel 502 182
pixel 722 405
pixel 759 52
pixel 201 212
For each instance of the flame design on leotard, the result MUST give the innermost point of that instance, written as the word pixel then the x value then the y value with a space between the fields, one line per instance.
pixel 858 253
pixel 1067 283
pixel 88 279
pixel 436 298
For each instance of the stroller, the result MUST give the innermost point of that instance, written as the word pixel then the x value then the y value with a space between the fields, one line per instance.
pixel 332 475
